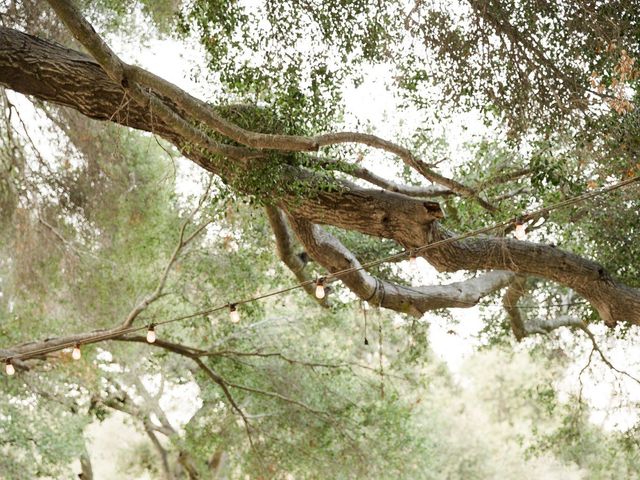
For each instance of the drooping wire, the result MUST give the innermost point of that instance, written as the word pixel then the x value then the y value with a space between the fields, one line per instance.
pixel 119 332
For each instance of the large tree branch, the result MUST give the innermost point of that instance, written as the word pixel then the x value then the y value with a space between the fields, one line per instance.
pixel 328 251
pixel 615 302
pixel 133 78
pixel 284 246
pixel 136 81
pixel 53 73
pixel 207 116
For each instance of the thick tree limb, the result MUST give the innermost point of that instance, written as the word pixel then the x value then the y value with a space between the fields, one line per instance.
pixel 329 252
pixel 284 246
pixel 53 73
pixel 127 76
pixel 614 301
pixel 135 81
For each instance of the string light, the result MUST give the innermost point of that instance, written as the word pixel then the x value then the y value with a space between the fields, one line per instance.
pixel 234 314
pixel 76 354
pixel 320 290
pixel 151 333
pixel 8 367
pixel 413 258
pixel 365 307
pixel 521 230
pixel 320 293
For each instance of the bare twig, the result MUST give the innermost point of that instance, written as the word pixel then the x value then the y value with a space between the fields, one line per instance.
pixel 606 361
pixel 182 242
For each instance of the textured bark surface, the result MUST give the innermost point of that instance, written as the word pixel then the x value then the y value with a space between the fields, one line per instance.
pixel 66 77
pixel 56 74
pixel 614 301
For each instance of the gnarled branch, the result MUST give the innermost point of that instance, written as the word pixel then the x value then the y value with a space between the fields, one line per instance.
pixel 521 326
pixel 53 73
pixel 329 252
pixel 284 246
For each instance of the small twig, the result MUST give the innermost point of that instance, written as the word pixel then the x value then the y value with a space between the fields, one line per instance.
pixel 606 361
pixel 223 385
pixel 182 242
pixel 582 371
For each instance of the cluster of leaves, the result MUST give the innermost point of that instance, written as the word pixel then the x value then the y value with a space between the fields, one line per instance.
pixel 575 439
pixel 526 61
pixel 277 175
pixel 291 55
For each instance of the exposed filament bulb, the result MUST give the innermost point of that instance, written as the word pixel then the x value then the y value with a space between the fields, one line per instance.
pixel 521 230
pixel 76 353
pixel 320 293
pixel 151 333
pixel 234 314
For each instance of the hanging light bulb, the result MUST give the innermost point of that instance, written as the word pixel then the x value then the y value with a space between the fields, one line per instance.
pixel 413 259
pixel 151 333
pixel 521 230
pixel 320 293
pixel 234 314
pixel 9 368
pixel 76 354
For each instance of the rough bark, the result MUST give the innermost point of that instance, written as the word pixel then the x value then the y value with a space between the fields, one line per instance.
pixel 53 73
pixel 56 74
pixel 614 301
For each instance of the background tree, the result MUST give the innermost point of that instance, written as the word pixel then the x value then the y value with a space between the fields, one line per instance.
pixel 96 240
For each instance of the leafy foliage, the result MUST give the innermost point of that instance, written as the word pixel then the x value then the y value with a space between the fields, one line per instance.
pixel 86 233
